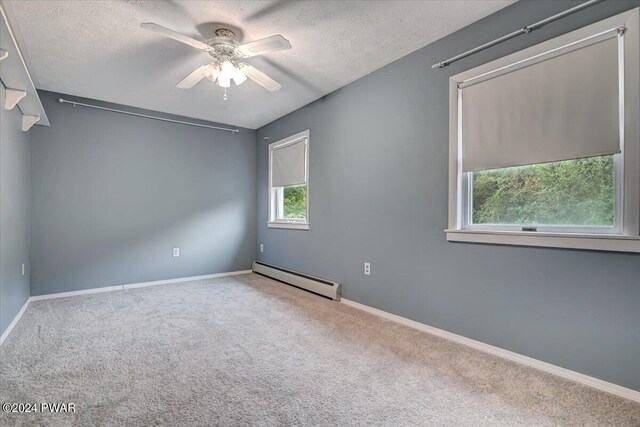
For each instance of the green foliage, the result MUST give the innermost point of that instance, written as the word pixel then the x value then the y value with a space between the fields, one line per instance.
pixel 295 202
pixel 573 192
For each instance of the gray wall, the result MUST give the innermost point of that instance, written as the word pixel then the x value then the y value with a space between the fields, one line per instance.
pixel 14 214
pixel 113 194
pixel 378 187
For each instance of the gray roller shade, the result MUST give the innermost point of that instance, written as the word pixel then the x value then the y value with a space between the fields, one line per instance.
pixel 565 107
pixel 288 165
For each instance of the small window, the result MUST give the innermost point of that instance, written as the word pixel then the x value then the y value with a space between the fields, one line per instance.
pixel 289 182
pixel 545 143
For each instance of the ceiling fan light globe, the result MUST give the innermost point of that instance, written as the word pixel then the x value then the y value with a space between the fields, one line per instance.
pixel 227 67
pixel 227 70
pixel 224 81
pixel 239 77
pixel 212 72
pixel 225 76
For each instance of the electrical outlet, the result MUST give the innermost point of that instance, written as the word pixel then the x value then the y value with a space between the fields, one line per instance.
pixel 367 269
pixel 176 252
pixel 23 268
pixel 261 247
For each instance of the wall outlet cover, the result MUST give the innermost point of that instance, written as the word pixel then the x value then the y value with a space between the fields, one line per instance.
pixel 176 252
pixel 367 269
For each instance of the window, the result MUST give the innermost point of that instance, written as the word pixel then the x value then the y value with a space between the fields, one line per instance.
pixel 544 143
pixel 549 196
pixel 289 182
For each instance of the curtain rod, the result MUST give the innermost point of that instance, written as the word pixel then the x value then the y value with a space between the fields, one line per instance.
pixel 525 30
pixel 74 103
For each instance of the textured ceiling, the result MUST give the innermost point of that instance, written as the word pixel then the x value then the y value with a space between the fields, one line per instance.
pixel 96 49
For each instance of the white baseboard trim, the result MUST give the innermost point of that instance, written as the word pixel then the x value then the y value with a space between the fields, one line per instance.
pixel 596 383
pixel 185 279
pixel 76 293
pixel 136 285
pixel 14 322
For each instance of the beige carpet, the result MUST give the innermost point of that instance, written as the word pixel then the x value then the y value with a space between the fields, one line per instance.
pixel 247 350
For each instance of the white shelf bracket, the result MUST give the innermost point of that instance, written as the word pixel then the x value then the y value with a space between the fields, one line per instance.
pixel 11 98
pixel 3 54
pixel 28 121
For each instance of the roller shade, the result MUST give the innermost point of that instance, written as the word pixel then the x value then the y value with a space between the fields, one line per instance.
pixel 288 164
pixel 565 107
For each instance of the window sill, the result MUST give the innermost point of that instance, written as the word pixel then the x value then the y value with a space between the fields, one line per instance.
pixel 289 225
pixel 598 242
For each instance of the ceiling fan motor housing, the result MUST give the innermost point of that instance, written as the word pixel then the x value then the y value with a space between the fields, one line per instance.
pixel 223 45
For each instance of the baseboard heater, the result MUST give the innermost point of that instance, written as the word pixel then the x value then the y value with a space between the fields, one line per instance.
pixel 313 284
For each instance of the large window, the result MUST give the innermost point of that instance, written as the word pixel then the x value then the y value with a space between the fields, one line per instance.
pixel 289 182
pixel 545 145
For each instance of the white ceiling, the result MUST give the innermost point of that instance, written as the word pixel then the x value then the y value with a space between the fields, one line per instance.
pixel 96 49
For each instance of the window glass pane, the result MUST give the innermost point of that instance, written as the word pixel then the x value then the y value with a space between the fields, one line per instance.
pixel 573 192
pixel 294 202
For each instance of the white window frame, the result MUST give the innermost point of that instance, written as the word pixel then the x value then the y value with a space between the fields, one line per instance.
pixel 276 193
pixel 625 234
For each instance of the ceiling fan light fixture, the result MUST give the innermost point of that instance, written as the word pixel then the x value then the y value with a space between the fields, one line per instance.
pixel 239 77
pixel 224 80
pixel 227 69
pixel 212 71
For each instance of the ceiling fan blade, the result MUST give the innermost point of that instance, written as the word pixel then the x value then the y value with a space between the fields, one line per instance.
pixel 262 46
pixel 261 78
pixel 176 36
pixel 192 79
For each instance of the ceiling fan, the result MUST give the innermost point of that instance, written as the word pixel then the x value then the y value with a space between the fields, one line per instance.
pixel 227 55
